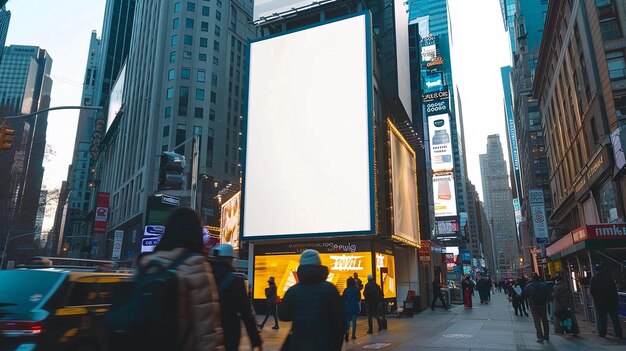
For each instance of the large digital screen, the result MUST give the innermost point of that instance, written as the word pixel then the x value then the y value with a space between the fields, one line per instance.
pixel 229 223
pixel 441 156
pixel 401 14
pixel 340 265
pixel 308 167
pixel 115 98
pixel 267 8
pixel 444 195
pixel 404 187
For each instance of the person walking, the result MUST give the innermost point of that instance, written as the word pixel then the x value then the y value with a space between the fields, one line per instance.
pixel 550 282
pixel 438 295
pixel 234 304
pixel 315 308
pixel 564 316
pixel 351 302
pixel 604 293
pixel 516 294
pixel 373 297
pixel 198 302
pixel 536 292
pixel 271 297
pixel 468 290
pixel 483 286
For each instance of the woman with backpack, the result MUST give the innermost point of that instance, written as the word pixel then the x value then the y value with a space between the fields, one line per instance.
pixel 197 326
pixel 516 293
pixel 564 316
pixel 351 302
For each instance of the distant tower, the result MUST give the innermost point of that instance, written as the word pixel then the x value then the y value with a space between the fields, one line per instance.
pixel 5 18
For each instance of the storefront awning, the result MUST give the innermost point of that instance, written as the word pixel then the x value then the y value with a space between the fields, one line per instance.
pixel 595 236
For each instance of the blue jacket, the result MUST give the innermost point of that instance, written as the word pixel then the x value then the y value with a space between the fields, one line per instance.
pixel 351 301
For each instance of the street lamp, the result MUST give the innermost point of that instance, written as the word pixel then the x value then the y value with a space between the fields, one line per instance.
pixel 6 243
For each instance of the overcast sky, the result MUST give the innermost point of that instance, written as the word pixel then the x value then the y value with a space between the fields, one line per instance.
pixel 63 27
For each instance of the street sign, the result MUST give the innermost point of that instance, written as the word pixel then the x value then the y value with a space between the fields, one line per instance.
pixel 170 200
pixel 148 244
pixel 118 239
pixel 154 230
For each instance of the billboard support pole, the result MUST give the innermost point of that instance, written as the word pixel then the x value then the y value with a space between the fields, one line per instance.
pixel 195 153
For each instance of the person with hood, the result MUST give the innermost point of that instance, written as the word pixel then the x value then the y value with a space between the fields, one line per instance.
pixel 198 299
pixel 373 297
pixel 516 294
pixel 604 293
pixel 351 302
pixel 537 294
pixel 467 287
pixel 562 308
pixel 271 297
pixel 315 308
pixel 234 304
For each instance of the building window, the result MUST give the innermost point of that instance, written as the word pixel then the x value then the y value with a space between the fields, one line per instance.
pixel 170 74
pixel 183 101
pixel 215 60
pixel 175 23
pixel 200 94
pixel 191 6
pixel 187 55
pixel 214 80
pixel 181 136
pixel 609 29
pixel 172 56
pixel 170 93
pixel 217 31
pixel 216 46
pixel 199 112
pixel 616 63
pixel 201 76
pixel 185 73
pixel 204 26
pixel 166 131
pixel 219 3
pixel 205 10
pixel 218 15
pixel 202 57
pixel 189 23
pixel 177 7
pixel 213 97
pixel 168 112
pixel 209 154
pixel 174 40
pixel 188 40
pixel 211 115
pixel 204 42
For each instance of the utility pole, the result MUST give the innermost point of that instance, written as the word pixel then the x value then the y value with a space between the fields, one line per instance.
pixel 195 155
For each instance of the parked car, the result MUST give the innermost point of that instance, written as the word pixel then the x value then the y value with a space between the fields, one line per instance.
pixel 56 309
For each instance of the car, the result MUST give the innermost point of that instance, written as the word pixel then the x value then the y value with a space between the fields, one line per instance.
pixel 45 309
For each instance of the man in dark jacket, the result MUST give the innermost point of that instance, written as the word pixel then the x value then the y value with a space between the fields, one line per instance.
pixel 537 294
pixel 234 303
pixel 271 295
pixel 315 307
pixel 373 296
pixel 604 295
pixel 438 295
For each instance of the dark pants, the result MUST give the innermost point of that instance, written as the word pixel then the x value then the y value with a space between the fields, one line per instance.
pixel 372 311
pixel 601 322
pixel 441 298
pixel 518 305
pixel 271 310
pixel 540 317
pixel 484 295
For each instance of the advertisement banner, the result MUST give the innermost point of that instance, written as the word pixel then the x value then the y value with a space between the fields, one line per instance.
pixel 441 156
pixel 538 214
pixel 118 240
pixel 518 211
pixel 433 82
pixel 444 94
pixel 229 224
pixel 444 195
pixel 340 265
pixel 437 107
pixel 149 243
pixel 424 251
pixel 428 49
pixel 102 213
pixel 447 227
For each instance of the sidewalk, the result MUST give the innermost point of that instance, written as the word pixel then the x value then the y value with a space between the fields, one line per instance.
pixel 485 327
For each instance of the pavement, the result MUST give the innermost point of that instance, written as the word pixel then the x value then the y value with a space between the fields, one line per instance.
pixel 485 327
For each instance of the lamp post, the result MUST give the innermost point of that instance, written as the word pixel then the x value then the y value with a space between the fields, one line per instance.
pixel 6 243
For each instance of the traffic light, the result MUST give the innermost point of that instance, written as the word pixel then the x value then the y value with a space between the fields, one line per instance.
pixel 6 136
pixel 171 171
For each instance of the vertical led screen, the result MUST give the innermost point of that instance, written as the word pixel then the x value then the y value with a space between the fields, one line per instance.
pixel 308 157
pixel 229 223
pixel 442 163
pixel 404 187
pixel 401 15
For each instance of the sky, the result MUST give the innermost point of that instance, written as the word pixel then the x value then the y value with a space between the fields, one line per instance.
pixel 63 28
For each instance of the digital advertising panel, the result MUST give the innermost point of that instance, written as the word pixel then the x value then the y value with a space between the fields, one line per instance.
pixel 444 195
pixel 229 223
pixel 341 266
pixel 115 99
pixel 308 155
pixel 428 49
pixel 538 214
pixel 433 82
pixel 269 8
pixel 440 143
pixel 401 15
pixel 404 187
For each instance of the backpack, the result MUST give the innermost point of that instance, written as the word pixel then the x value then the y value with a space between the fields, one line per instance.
pixel 147 318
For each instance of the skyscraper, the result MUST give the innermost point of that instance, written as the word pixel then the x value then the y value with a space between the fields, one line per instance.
pixel 25 87
pixel 5 18
pixel 499 206
pixel 184 77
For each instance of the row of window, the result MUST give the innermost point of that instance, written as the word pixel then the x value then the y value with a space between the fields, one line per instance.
pixel 187 55
pixel 185 73
pixel 191 7
pixel 184 92
pixel 190 23
pixel 188 40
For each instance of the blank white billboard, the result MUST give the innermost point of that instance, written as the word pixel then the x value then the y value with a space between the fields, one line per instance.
pixel 308 167
pixel 404 188
pixel 401 14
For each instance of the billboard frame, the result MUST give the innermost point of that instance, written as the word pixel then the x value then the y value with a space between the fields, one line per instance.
pixel 371 144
